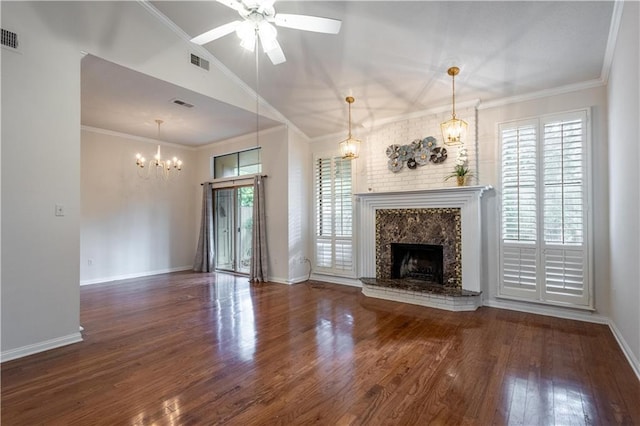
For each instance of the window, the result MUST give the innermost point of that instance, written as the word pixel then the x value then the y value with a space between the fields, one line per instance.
pixel 333 216
pixel 544 243
pixel 237 164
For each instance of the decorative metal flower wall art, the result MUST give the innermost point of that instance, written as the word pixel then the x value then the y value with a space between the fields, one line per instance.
pixel 417 153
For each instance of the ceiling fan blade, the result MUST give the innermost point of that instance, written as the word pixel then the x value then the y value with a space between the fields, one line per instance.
pixel 308 23
pixel 233 4
pixel 216 33
pixel 275 53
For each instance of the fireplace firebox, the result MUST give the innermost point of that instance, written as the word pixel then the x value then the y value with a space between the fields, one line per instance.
pixel 417 261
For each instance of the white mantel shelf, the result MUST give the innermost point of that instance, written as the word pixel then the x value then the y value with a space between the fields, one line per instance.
pixel 466 198
pixel 476 190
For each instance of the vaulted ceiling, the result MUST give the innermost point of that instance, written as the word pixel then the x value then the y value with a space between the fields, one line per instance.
pixel 392 56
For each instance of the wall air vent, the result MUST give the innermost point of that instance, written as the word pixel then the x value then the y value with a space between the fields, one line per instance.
pixel 9 39
pixel 199 62
pixel 181 103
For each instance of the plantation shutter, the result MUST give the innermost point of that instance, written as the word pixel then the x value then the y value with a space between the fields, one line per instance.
pixel 324 212
pixel 519 184
pixel 564 194
pixel 334 215
pixel 544 250
pixel 519 210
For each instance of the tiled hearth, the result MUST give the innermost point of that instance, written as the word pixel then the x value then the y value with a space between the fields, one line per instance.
pixel 450 217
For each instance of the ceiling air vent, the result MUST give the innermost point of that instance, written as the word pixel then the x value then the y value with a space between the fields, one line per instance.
pixel 181 103
pixel 9 39
pixel 199 62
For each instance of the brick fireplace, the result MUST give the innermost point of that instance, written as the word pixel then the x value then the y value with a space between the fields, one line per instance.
pixel 447 219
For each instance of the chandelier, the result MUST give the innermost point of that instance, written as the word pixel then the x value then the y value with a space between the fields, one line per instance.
pixel 455 130
pixel 350 147
pixel 163 168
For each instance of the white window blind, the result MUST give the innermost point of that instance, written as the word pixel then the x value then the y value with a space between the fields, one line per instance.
pixel 544 244
pixel 334 215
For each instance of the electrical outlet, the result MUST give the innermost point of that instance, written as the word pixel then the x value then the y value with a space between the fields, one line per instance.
pixel 90 262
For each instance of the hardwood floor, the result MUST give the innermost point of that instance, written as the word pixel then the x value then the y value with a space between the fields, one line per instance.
pixel 201 349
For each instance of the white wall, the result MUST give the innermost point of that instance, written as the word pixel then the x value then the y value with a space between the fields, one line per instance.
pixel 131 226
pixel 40 168
pixel 624 182
pixel 488 120
pixel 300 206
pixel 274 154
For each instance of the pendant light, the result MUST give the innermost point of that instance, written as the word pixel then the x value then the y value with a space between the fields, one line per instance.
pixel 454 131
pixel 350 147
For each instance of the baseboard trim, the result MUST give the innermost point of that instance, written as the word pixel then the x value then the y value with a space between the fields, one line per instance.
pixel 135 275
pixel 298 280
pixel 626 350
pixel 551 311
pixel 353 282
pixel 35 348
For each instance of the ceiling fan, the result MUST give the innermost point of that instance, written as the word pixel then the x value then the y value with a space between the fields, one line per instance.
pixel 258 19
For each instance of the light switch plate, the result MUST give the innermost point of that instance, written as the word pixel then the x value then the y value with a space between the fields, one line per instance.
pixel 59 210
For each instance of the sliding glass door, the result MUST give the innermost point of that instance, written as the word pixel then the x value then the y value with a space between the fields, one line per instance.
pixel 233 223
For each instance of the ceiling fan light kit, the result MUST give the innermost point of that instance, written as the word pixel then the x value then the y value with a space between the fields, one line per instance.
pixel 259 21
pixel 454 130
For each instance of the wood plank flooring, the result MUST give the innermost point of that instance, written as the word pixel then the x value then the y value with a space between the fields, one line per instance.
pixel 202 349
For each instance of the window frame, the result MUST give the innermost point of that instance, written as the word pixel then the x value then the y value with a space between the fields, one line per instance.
pixel 237 167
pixel 541 293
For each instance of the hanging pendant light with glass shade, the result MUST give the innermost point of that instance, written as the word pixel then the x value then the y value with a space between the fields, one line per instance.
pixel 454 131
pixel 350 147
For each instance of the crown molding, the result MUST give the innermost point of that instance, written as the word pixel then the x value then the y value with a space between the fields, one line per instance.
pixel 478 104
pixel 590 84
pixel 371 125
pixel 136 138
pixel 614 28
pixel 243 137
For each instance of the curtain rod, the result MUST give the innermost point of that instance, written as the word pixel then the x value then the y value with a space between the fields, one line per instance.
pixel 235 179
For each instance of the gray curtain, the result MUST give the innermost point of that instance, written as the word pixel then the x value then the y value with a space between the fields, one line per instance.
pixel 204 253
pixel 259 271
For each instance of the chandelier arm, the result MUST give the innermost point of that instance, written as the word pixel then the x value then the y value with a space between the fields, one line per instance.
pixel 162 168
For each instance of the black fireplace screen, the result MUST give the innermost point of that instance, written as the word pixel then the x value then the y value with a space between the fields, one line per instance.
pixel 417 261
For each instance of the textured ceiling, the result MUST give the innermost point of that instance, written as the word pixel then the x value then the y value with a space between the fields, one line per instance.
pixel 392 56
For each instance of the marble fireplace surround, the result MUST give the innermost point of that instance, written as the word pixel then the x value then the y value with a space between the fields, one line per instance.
pixel 465 198
pixel 439 227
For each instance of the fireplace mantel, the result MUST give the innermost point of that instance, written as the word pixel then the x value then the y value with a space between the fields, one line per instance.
pixel 475 189
pixel 466 198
